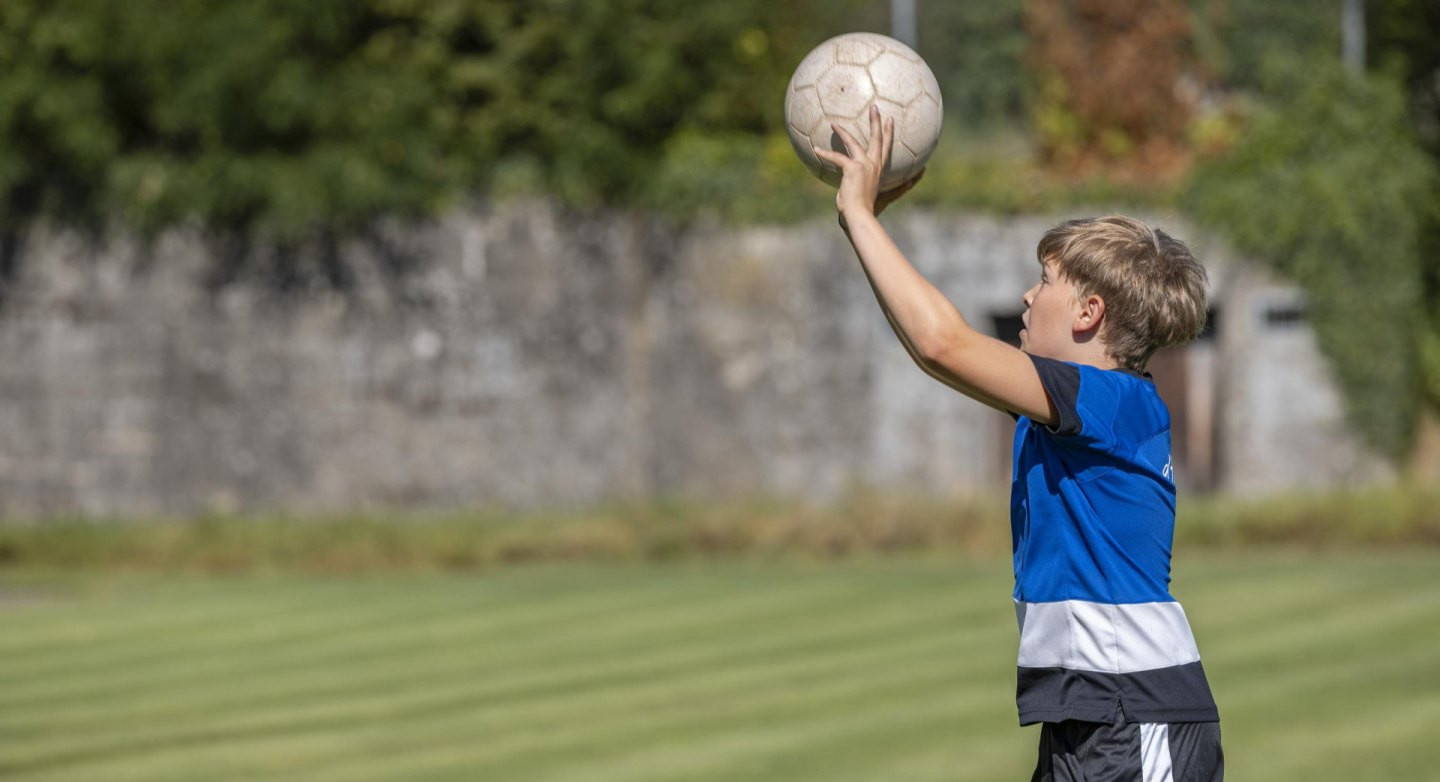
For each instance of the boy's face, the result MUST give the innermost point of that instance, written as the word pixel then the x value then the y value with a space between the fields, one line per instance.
pixel 1051 309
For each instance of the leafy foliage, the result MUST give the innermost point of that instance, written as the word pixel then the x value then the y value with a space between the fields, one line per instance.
pixel 257 118
pixel 284 129
pixel 1329 187
pixel 299 124
pixel 1404 37
pixel 977 52
pixel 589 93
pixel 260 119
pixel 1234 38
pixel 1107 82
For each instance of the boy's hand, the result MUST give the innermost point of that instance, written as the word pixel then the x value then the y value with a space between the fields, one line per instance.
pixel 892 195
pixel 861 168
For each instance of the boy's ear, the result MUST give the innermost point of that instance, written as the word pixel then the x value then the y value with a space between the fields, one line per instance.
pixel 1091 313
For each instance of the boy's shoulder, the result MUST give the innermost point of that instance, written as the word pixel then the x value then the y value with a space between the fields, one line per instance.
pixel 1112 429
pixel 1094 402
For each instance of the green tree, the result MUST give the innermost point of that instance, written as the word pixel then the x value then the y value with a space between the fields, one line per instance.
pixel 1107 78
pixel 1328 186
pixel 251 119
pixel 1235 37
pixel 977 52
pixel 55 138
pixel 1404 37
pixel 586 94
pixel 282 128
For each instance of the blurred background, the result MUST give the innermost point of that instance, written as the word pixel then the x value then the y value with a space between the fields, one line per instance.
pixel 383 380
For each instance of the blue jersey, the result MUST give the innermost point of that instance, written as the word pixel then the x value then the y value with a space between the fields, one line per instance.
pixel 1092 515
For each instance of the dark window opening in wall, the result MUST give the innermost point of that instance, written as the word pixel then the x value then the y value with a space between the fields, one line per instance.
pixel 1212 324
pixel 1284 315
pixel 1006 328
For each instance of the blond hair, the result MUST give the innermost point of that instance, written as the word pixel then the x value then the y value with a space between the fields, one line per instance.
pixel 1152 286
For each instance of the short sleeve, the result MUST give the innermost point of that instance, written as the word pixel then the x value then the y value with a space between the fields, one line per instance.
pixel 1062 384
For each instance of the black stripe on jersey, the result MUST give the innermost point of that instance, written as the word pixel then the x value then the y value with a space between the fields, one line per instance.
pixel 1177 693
pixel 1062 385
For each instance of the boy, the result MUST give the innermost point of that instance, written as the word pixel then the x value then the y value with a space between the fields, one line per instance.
pixel 1107 661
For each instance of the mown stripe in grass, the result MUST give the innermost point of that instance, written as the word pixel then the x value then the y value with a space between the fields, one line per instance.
pixel 373 639
pixel 1312 659
pixel 562 680
pixel 435 708
pixel 286 615
pixel 870 630
pixel 345 681
pixel 698 716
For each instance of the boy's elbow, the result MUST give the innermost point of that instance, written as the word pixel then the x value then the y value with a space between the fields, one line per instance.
pixel 939 348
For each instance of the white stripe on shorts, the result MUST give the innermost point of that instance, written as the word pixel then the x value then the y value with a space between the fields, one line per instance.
pixel 1155 752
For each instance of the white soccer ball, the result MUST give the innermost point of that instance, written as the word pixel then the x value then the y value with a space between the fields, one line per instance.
pixel 837 83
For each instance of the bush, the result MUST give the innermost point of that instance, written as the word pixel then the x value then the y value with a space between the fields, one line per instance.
pixel 1107 84
pixel 297 124
pixel 1329 187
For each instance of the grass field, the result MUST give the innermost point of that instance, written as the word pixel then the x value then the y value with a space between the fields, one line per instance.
pixel 1326 666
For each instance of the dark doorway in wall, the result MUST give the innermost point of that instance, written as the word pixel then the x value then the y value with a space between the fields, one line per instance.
pixel 1007 327
pixel 1004 326
pixel 1187 378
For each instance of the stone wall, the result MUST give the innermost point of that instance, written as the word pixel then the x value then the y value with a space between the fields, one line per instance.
pixel 532 358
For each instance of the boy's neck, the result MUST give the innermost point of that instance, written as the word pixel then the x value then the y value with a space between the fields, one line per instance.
pixel 1090 353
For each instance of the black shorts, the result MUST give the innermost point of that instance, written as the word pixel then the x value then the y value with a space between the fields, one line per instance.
pixel 1074 751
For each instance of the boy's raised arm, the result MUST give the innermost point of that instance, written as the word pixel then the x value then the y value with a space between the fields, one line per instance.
pixel 933 331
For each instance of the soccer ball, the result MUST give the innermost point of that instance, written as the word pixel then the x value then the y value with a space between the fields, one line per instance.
pixel 837 83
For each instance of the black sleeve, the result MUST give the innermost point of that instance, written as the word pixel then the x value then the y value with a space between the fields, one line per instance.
pixel 1062 384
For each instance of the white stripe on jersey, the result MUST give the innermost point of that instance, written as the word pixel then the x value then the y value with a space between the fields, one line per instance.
pixel 1083 636
pixel 1155 753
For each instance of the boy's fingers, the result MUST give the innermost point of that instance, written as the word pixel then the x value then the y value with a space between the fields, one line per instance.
pixel 882 146
pixel 874 116
pixel 852 144
pixel 831 157
pixel 887 141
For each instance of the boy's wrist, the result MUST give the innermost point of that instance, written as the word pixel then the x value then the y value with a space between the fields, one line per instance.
pixel 853 214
